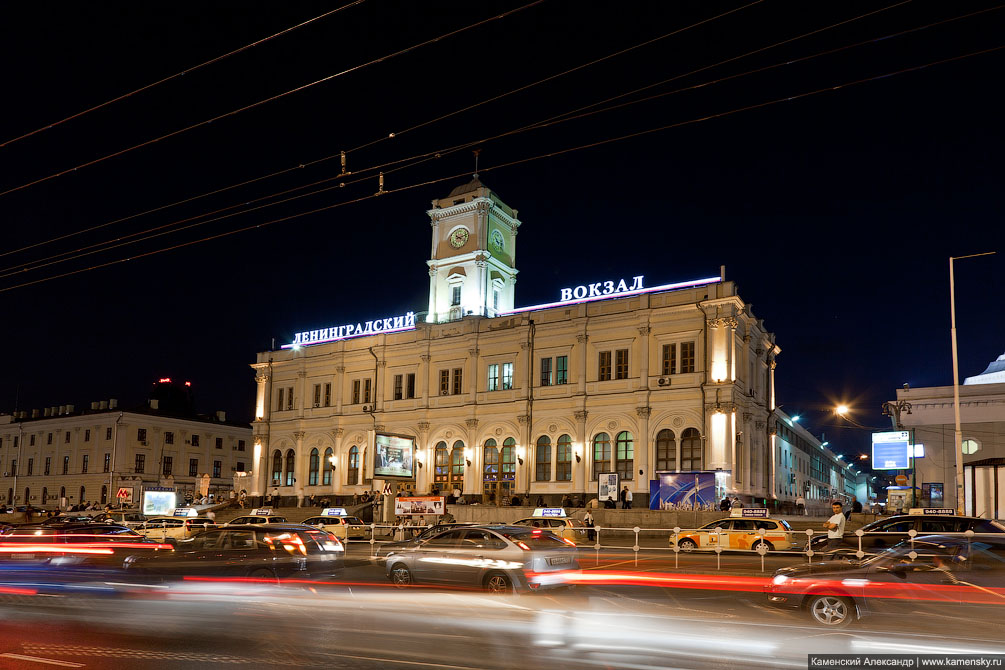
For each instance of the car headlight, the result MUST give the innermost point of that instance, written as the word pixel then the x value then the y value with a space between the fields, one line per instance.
pixel 778 580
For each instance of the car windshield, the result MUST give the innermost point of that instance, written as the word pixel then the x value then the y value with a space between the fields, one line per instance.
pixel 536 538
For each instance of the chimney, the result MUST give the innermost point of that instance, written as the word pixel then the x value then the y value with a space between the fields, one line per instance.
pixel 154 403
pixel 113 403
pixel 102 404
pixel 47 411
pixel 34 413
pixel 221 416
pixel 94 405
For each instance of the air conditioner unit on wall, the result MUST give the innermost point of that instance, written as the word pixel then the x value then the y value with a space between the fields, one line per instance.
pixel 664 381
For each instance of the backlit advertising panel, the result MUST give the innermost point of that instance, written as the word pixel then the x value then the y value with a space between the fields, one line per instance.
pixel 891 450
pixel 159 501
pixel 394 456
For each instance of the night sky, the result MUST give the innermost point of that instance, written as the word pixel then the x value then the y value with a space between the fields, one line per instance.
pixel 835 213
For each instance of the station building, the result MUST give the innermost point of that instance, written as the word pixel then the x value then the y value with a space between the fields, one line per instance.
pixel 613 377
pixel 62 455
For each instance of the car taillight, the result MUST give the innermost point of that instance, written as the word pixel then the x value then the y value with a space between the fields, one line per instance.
pixel 568 542
pixel 522 546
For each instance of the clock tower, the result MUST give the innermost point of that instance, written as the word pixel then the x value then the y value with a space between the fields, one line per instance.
pixel 472 270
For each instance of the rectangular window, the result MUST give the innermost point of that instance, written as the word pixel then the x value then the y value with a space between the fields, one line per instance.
pixel 219 443
pixel 107 467
pixel 281 394
pixel 621 364
pixel 444 382
pixel 317 395
pixel 31 441
pixel 493 381
pixel 240 445
pixel 13 468
pixel 108 433
pixel 328 394
pixel 48 464
pixel 289 397
pixel 66 464
pixel 366 390
pixel 141 463
pixel 561 369
pixel 669 359
pixel 546 372
pixel 141 434
pixel 193 467
pixel 66 437
pixel 455 296
pixel 495 299
pixel 31 465
pixel 458 375
pixel 240 466
pixel 686 357
pixel 169 437
pixel 87 435
pixel 168 465
pixel 83 464
pixel 355 391
pixel 604 366
pixel 398 379
pixel 195 439
pixel 507 376
pixel 217 468
pixel 410 385
pixel 49 439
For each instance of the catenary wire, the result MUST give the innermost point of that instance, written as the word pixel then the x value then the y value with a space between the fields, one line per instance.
pixel 181 74
pixel 539 124
pixel 273 98
pixel 520 161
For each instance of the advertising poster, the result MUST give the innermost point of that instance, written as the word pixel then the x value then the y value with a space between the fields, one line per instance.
pixel 607 486
pixel 682 490
pixel 395 456
pixel 159 501
pixel 419 506
pixel 891 450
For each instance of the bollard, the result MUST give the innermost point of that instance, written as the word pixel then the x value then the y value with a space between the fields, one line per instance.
pixel 636 547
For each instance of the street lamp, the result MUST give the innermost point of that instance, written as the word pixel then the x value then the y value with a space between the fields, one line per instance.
pixel 841 410
pixel 958 433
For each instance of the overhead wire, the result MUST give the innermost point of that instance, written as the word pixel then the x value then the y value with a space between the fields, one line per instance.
pixel 542 123
pixel 273 98
pixel 182 73
pixel 512 163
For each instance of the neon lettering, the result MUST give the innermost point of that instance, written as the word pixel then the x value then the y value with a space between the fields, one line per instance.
pixel 637 284
pixel 566 294
pixel 595 289
pixel 608 287
pixel 296 339
pixel 399 322
pixel 622 286
pixel 376 325
pixel 369 327
pixel 579 292
pixel 387 324
pixel 323 334
pixel 409 320
pixel 314 335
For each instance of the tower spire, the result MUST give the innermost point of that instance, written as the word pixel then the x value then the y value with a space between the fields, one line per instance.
pixel 476 152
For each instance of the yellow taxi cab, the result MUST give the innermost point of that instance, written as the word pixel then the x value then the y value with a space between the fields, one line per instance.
pixel 183 524
pixel 740 531
pixel 258 515
pixel 337 521
pixel 555 520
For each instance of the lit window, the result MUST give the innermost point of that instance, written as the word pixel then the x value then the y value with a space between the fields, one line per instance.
pixel 604 366
pixel 563 466
pixel 601 453
pixel 546 372
pixel 457 380
pixel 326 478
pixel 193 467
pixel 561 369
pixel 621 364
pixel 493 377
pixel 507 376
pixel 625 456
pixel 455 295
pixel 970 446
pixel 669 359
pixel 687 357
pixel 217 468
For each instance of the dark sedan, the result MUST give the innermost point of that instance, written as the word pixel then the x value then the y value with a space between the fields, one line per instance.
pixel 100 544
pixel 938 576
pixel 883 533
pixel 259 551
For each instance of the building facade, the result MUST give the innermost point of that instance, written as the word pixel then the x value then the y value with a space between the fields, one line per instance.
pixel 62 455
pixel 534 401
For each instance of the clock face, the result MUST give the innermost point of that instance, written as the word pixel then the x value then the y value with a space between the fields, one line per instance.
pixel 459 238
pixel 497 240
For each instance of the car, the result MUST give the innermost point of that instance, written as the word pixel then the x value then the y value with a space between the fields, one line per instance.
pixel 738 533
pixel 884 533
pixel 344 527
pixel 78 543
pixel 129 519
pixel 385 549
pixel 258 551
pixel 498 558
pixel 555 520
pixel 938 575
pixel 174 528
pixel 263 515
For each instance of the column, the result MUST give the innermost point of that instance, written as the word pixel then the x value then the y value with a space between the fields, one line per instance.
pixel 473 472
pixel 581 341
pixel 380 385
pixel 580 447
pixel 472 371
pixel 642 448
pixel 424 476
pixel 339 384
pixel 423 375
pixel 301 393
pixel 644 356
pixel 341 462
pixel 730 332
pixel 299 469
pixel 261 399
pixel 521 483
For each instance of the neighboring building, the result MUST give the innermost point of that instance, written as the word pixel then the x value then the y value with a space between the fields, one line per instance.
pixel 803 465
pixel 612 377
pixel 982 420
pixel 89 455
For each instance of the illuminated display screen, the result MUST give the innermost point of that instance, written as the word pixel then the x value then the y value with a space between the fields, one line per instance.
pixel 395 457
pixel 891 450
pixel 159 502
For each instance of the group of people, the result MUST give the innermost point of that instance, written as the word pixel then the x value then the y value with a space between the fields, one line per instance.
pixel 728 503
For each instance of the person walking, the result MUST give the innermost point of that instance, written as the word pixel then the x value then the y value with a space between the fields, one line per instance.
pixel 588 522
pixel 275 498
pixel 725 504
pixel 835 527
pixel 800 505
pixel 626 502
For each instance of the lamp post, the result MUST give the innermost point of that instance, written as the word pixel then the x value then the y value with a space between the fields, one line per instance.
pixel 958 431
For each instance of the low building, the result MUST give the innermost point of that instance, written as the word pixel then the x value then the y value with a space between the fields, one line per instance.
pixel 61 454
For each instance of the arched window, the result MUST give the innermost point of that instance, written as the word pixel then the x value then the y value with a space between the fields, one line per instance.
pixel 563 467
pixel 625 456
pixel 313 466
pixel 45 494
pixel 291 461
pixel 277 467
pixel 352 474
pixel 507 461
pixel 328 466
pixel 104 494
pixel 690 450
pixel 457 465
pixel 601 454
pixel 441 463
pixel 543 459
pixel 491 460
pixel 666 451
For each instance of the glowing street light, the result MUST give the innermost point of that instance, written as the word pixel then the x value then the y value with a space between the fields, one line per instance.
pixel 841 410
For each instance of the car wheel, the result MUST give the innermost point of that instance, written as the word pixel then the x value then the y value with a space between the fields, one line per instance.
pixel 831 611
pixel 767 545
pixel 497 582
pixel 262 573
pixel 401 576
pixel 687 545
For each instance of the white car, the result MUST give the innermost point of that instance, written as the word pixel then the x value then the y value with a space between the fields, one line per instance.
pixel 256 518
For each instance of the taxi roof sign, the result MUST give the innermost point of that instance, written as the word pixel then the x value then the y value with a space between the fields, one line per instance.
pixel 185 511
pixel 334 511
pixel 749 512
pixel 545 512
pixel 262 511
pixel 931 510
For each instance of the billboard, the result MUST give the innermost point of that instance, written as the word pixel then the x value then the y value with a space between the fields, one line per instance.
pixel 891 450
pixel 421 505
pixel 607 486
pixel 159 501
pixel 394 456
pixel 682 490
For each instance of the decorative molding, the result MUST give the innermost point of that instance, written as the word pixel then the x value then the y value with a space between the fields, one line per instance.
pixel 382 364
pixel 644 330
pixel 424 426
pixel 471 423
pixel 301 373
pixel 338 433
pixel 582 338
pixel 523 419
pixel 552 428
pixel 473 353
pixel 643 412
pixel 425 358
pixel 449 434
pixel 379 427
pixel 299 435
pixel 525 345
pixel 359 437
pixel 499 431
pixel 340 369
pixel 759 425
pixel 678 421
pixel 581 415
pixel 612 425
pixel 730 322
pixel 261 377
pixel 725 407
pixel 747 416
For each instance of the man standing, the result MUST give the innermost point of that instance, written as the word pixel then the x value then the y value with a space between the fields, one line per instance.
pixel 275 498
pixel 835 527
pixel 626 499
pixel 800 505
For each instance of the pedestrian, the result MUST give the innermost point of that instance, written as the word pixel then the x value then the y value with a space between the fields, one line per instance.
pixel 628 499
pixel 610 502
pixel 835 527
pixel 800 505
pixel 540 501
pixel 856 506
pixel 725 504
pixel 566 501
pixel 211 515
pixel 275 498
pixel 588 522
pixel 736 504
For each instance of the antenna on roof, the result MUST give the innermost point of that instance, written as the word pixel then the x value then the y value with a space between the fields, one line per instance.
pixel 476 152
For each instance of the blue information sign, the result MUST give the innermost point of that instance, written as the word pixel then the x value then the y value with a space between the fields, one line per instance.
pixel 891 450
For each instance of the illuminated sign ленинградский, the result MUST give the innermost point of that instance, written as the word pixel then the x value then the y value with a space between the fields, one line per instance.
pixel 392 324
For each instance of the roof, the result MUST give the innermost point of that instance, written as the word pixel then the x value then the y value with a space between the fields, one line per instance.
pixel 472 185
pixel 994 374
